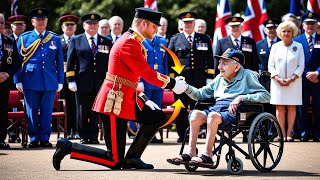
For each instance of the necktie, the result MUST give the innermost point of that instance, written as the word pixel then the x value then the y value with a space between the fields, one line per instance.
pixel 237 45
pixel 68 42
pixel 93 46
pixel 271 43
pixel 190 40
pixel 40 36
pixel 310 45
pixel 117 37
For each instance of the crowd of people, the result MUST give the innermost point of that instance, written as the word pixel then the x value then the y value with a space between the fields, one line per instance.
pixel 104 71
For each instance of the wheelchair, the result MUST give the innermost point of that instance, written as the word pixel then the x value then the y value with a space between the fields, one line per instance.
pixel 265 140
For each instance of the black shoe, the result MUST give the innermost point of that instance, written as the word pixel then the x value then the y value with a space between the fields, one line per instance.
pixel 45 144
pixel 33 144
pixel 156 141
pixel 316 139
pixel 63 148
pixel 136 163
pixel 179 140
pixel 93 141
pixel 4 145
pixel 84 141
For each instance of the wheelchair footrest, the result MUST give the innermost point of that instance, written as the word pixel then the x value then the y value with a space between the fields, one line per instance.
pixel 203 165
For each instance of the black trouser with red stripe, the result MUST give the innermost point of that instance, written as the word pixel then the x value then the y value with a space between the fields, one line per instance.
pixel 115 138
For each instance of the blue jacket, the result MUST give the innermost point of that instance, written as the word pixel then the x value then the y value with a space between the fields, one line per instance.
pixel 157 58
pixel 44 70
pixel 312 62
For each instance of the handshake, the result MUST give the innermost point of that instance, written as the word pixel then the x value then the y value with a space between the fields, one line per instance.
pixel 181 86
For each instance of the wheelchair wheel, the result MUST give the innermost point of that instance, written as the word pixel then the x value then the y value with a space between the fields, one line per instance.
pixel 235 166
pixel 190 168
pixel 265 142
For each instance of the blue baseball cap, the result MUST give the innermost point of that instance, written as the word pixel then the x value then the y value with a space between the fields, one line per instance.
pixel 232 54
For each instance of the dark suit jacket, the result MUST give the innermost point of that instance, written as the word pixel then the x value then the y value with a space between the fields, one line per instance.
pixel 263 51
pixel 88 70
pixel 198 58
pixel 312 62
pixel 5 66
pixel 251 58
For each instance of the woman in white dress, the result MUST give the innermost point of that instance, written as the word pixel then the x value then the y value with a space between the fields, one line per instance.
pixel 286 65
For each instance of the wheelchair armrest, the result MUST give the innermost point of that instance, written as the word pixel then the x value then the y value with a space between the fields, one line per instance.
pixel 203 103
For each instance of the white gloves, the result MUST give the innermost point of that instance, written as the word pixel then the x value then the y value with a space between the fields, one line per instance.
pixel 152 105
pixel 140 87
pixel 72 86
pixel 180 86
pixel 19 86
pixel 60 86
pixel 208 80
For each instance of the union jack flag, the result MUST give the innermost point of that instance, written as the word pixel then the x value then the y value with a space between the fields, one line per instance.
pixel 255 14
pixel 296 7
pixel 14 7
pixel 152 4
pixel 313 6
pixel 220 29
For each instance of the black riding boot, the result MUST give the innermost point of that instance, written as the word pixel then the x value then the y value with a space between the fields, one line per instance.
pixel 139 144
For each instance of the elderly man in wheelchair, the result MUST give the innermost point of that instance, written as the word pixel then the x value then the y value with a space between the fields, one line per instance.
pixel 233 85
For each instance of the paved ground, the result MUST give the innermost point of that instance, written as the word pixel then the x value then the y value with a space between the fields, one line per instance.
pixel 299 161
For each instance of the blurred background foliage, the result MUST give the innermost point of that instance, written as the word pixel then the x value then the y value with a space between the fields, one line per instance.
pixel 206 9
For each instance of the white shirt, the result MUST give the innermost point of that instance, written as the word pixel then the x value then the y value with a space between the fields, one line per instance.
pixel 234 42
pixel 43 33
pixel 313 36
pixel 187 35
pixel 95 38
pixel 67 38
pixel 114 36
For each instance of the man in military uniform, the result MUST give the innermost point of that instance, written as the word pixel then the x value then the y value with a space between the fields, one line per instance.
pixel 40 76
pixel 69 27
pixel 310 41
pixel 87 64
pixel 264 48
pixel 18 27
pixel 195 52
pixel 9 64
pixel 117 100
pixel 235 40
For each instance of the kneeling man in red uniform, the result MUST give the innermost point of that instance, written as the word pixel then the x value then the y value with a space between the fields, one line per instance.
pixel 119 101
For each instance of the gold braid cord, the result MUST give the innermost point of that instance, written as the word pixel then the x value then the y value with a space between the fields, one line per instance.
pixel 28 52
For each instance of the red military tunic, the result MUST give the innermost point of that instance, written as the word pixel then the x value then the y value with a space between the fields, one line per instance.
pixel 127 60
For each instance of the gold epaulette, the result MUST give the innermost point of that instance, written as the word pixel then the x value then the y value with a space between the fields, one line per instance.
pixel 139 38
pixel 210 71
pixel 28 52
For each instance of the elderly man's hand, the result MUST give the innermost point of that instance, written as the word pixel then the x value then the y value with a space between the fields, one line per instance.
pixel 234 105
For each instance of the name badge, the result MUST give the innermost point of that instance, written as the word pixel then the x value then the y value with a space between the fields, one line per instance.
pixel 247 47
pixel 103 49
pixel 202 46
